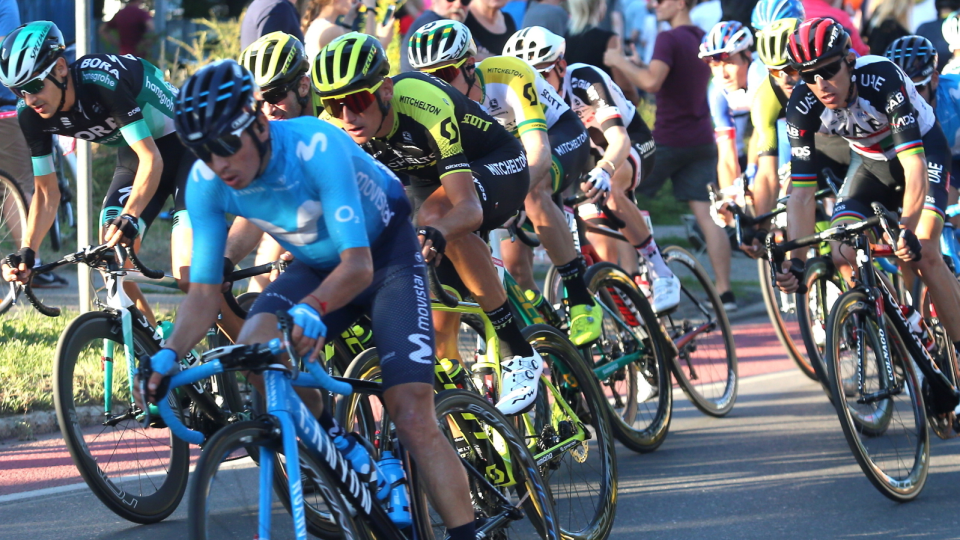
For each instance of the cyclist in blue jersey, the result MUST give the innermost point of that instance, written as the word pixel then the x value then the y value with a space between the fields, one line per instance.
pixel 346 219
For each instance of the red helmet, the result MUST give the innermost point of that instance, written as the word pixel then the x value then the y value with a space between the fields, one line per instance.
pixel 817 41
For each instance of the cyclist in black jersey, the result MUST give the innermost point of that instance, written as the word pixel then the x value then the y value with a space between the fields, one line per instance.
pixel 467 174
pixel 614 126
pixel 906 162
pixel 119 101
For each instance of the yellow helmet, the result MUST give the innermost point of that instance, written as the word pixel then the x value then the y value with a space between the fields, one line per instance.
pixel 275 60
pixel 772 42
pixel 348 64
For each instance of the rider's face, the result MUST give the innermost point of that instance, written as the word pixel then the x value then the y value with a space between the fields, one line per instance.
pixel 288 107
pixel 364 125
pixel 786 81
pixel 46 101
pixel 731 73
pixel 238 170
pixel 833 92
pixel 553 76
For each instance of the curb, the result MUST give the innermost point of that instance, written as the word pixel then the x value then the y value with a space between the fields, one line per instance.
pixel 25 427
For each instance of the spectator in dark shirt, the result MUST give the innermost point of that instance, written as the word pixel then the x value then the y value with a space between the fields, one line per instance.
pixel 129 28
pixel 265 16
pixel 440 9
pixel 491 27
pixel 933 30
pixel 683 132
pixel 587 42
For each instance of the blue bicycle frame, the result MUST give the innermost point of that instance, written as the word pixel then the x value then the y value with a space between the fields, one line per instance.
pixel 949 244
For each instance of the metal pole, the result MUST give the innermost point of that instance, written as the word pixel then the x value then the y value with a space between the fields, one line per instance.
pixel 84 169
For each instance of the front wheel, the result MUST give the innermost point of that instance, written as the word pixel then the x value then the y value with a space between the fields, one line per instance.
pixel 878 398
pixel 784 311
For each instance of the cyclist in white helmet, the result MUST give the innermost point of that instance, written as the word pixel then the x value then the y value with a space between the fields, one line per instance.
pixel 951 33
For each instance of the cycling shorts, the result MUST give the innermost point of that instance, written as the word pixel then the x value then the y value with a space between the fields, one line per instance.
pixel 177 162
pixel 642 156
pixel 570 147
pixel 883 182
pixel 833 152
pixel 501 179
pixel 397 303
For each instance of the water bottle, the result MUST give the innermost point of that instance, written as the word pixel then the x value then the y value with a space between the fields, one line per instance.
pixel 918 327
pixel 359 457
pixel 398 508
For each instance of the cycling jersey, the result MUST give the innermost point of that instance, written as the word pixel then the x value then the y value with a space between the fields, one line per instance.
pixel 517 96
pixel 303 199
pixel 119 100
pixel 768 108
pixel 948 110
pixel 952 67
pixel 886 118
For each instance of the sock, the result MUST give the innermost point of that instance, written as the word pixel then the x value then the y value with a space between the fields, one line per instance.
pixel 511 340
pixel 330 424
pixel 651 253
pixel 464 532
pixel 572 276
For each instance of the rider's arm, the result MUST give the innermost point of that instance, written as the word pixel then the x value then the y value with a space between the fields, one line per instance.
pixel 618 145
pixel 539 159
pixel 43 209
pixel 147 180
pixel 197 313
pixel 242 240
pixel 803 120
pixel 606 113
pixel 908 142
pixel 466 215
pixel 766 185
pixel 764 114
pixel 728 166
pixel 915 190
pixel 345 282
pixel 648 78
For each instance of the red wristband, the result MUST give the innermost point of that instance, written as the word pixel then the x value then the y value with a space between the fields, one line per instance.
pixel 321 303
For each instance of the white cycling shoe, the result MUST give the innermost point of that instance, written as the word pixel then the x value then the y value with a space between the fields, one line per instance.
pixel 666 293
pixel 518 383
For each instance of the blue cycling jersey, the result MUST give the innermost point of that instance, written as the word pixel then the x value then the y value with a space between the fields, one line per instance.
pixel 948 110
pixel 319 195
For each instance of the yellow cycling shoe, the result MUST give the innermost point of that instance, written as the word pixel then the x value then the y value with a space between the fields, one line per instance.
pixel 585 324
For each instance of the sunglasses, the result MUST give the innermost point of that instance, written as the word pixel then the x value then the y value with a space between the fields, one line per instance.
pixel 463 3
pixel 276 95
pixel 719 57
pixel 549 68
pixel 449 73
pixel 357 102
pixel 786 71
pixel 225 146
pixel 35 85
pixel 826 73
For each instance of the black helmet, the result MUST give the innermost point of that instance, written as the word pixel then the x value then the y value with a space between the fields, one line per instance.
pixel 216 101
pixel 915 55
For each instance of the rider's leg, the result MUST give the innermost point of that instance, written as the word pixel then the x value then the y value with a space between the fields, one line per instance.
pixel 518 260
pixel 942 285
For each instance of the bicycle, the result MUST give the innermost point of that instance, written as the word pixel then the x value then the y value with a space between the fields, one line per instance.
pixel 698 336
pixel 93 378
pixel 13 225
pixel 883 403
pixel 505 485
pixel 567 429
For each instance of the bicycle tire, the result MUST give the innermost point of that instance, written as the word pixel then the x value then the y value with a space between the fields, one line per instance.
pixel 896 418
pixel 132 506
pixel 705 302
pixel 553 290
pixel 10 196
pixel 578 386
pixel 232 441
pixel 785 321
pixel 822 285
pixel 640 425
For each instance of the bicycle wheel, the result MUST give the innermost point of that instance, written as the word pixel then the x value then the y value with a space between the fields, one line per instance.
pixel 706 366
pixel 881 412
pixel 488 444
pixel 783 310
pixel 824 287
pixel 225 495
pixel 583 477
pixel 139 473
pixel 638 395
pixel 553 286
pixel 13 224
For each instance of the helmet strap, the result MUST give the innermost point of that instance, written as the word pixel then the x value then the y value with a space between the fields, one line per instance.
pixel 63 90
pixel 263 147
pixel 384 111
pixel 469 79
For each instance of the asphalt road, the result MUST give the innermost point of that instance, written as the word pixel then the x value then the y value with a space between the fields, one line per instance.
pixel 776 467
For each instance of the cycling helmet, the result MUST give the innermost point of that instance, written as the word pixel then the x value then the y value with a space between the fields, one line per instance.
pixel 726 37
pixel 772 42
pixel 951 30
pixel 440 42
pixel 915 55
pixel 28 51
pixel 215 101
pixel 817 41
pixel 770 11
pixel 348 64
pixel 536 45
pixel 275 60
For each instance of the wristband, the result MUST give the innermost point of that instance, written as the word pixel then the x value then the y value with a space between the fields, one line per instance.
pixel 613 168
pixel 322 305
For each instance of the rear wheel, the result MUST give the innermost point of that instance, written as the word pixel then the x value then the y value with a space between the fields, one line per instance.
pixel 13 225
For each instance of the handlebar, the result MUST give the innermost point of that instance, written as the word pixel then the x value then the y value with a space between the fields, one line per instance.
pixel 437 289
pixel 522 235
pixel 245 273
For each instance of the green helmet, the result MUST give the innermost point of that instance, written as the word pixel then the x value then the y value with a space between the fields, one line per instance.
pixel 28 51
pixel 348 64
pixel 276 60
pixel 772 42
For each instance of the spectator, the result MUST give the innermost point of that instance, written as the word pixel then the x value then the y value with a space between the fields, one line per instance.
pixel 491 27
pixel 549 15
pixel 265 16
pixel 707 14
pixel 686 149
pixel 440 9
pixel 587 43
pixel 889 23
pixel 933 30
pixel 321 19
pixel 130 30
pixel 951 33
pixel 820 9
pixel 14 154
pixel 736 10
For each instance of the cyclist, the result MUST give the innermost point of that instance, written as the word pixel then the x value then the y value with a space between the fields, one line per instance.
pixel 279 66
pixel 346 219
pixel 467 174
pixel 767 12
pixel 917 57
pixel 119 101
pixel 951 34
pixel 552 136
pixel 627 145
pixel 906 162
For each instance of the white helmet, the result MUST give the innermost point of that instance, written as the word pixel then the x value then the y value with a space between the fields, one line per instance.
pixel 536 45
pixel 726 37
pixel 951 30
pixel 440 42
pixel 28 51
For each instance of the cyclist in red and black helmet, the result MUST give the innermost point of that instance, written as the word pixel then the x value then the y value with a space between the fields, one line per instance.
pixel 871 103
